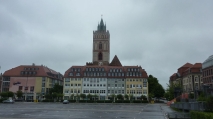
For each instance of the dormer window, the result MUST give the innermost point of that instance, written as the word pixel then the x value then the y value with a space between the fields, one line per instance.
pixel 71 74
pixel 77 74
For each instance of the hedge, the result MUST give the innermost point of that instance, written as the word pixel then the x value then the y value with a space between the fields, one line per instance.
pixel 72 101
pixel 48 100
pixel 201 115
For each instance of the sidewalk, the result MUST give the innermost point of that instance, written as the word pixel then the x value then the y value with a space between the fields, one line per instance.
pixel 169 111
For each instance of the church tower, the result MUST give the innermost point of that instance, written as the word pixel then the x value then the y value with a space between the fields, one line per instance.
pixel 101 45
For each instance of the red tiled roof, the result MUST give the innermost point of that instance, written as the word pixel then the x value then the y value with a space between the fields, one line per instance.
pixel 187 65
pixel 40 71
pixel 115 62
pixel 106 69
pixel 193 69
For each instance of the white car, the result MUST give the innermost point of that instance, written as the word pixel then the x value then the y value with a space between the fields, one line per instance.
pixel 65 102
pixel 8 101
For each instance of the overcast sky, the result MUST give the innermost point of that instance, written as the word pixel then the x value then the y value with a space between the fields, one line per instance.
pixel 159 35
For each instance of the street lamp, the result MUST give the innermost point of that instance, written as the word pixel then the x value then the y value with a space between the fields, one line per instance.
pixel 26 88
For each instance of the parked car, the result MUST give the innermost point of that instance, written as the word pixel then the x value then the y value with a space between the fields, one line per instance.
pixel 65 102
pixel 8 101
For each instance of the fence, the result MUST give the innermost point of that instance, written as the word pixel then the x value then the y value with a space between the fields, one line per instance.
pixel 178 116
pixel 187 106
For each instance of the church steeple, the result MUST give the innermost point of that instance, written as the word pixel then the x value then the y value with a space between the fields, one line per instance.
pixel 101 26
pixel 101 44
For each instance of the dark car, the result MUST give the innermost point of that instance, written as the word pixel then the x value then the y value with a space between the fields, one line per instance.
pixel 65 102
pixel 8 101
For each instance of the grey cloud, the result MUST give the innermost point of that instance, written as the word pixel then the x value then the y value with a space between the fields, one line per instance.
pixel 160 36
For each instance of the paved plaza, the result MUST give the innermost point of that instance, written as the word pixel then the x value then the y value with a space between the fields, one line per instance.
pixel 30 110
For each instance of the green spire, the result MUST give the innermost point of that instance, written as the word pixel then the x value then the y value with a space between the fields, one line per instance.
pixel 101 26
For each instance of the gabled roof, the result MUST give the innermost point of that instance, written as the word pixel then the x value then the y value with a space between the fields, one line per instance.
pixel 32 70
pixel 115 62
pixel 187 65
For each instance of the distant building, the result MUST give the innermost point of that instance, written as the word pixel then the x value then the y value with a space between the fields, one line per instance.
pixel 102 77
pixel 188 77
pixel 0 81
pixel 33 80
pixel 207 68
pixel 192 78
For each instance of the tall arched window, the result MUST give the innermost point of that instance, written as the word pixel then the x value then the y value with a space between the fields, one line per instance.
pixel 100 45
pixel 100 56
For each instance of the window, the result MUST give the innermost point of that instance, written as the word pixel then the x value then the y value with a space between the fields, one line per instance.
pixel 71 74
pixel 100 46
pixel 100 56
pixel 67 80
pixel 20 88
pixel 144 84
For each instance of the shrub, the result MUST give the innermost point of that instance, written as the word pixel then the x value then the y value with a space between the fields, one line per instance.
pixel 48 100
pixel 126 101
pixel 72 101
pixel 83 101
pixel 201 115
pixel 136 101
pixel 145 101
pixel 119 101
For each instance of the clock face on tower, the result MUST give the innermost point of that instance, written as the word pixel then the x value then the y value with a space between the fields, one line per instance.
pixel 100 63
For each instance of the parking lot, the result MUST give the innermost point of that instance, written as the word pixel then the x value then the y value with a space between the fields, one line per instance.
pixel 32 110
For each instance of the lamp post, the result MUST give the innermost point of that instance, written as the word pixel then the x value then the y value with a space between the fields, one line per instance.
pixel 26 88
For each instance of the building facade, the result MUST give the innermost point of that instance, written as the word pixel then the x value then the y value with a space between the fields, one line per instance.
pixel 188 79
pixel 0 82
pixel 103 78
pixel 207 68
pixel 33 80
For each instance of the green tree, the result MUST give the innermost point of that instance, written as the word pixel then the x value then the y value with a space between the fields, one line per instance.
pixel 159 91
pixel 143 97
pixel 120 97
pixel 47 96
pixel 113 96
pixel 54 95
pixel 72 96
pixel 56 89
pixel 126 97
pixel 131 97
pixel 154 87
pixel 19 94
pixel 95 96
pixel 191 95
pixel 4 95
pixel 169 93
pixel 83 96
pixel 210 103
pixel 10 94
pixel 89 96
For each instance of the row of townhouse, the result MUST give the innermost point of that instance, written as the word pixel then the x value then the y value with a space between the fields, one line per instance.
pixel 33 80
pixel 105 81
pixel 194 77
